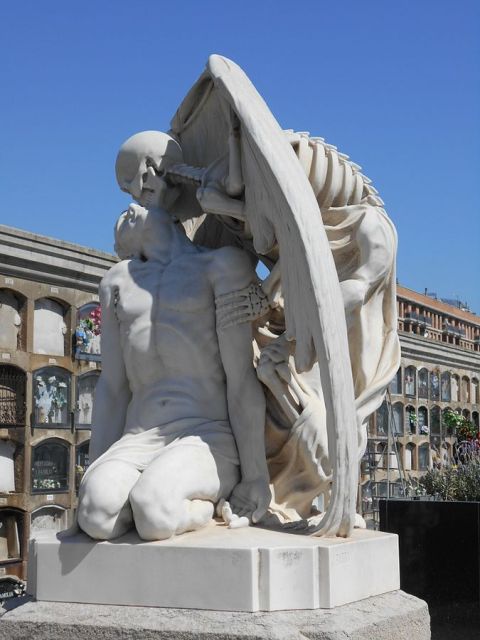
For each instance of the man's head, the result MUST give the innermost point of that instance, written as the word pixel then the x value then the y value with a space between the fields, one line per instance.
pixel 129 232
pixel 141 165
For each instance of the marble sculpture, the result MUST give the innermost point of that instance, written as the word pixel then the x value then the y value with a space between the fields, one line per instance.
pixel 217 386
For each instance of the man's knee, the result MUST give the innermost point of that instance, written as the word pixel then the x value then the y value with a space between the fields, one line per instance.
pixel 156 513
pixel 103 509
pixel 96 524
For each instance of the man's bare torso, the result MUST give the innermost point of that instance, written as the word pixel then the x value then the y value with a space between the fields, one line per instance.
pixel 169 341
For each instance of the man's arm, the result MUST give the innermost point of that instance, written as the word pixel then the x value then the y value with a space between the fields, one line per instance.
pixel 245 398
pixel 112 393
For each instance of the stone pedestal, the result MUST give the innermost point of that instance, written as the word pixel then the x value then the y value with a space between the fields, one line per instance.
pixel 392 616
pixel 248 569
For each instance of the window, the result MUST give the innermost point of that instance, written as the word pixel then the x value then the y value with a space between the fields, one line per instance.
pixel 396 384
pixel 410 381
pixel 12 396
pixel 423 383
pixel 475 419
pixel 82 461
pixel 50 465
pixel 434 386
pixel 51 396
pixel 11 525
pixel 445 389
pixel 88 332
pixel 85 394
pixel 49 327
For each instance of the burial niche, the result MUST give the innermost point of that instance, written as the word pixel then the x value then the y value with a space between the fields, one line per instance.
pixel 85 395
pixel 49 327
pixel 50 465
pixel 51 394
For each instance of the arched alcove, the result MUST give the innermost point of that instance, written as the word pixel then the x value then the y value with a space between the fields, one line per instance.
pixel 50 466
pixel 409 460
pixel 49 327
pixel 423 457
pixel 455 388
pixel 465 389
pixel 381 455
pixel 51 397
pixel 88 332
pixel 435 421
pixel 382 419
pixel 82 461
pixel 48 518
pixel 411 419
pixel 397 418
pixel 475 391
pixel 396 384
pixel 423 383
pixel 445 393
pixel 12 396
pixel 12 320
pixel 446 429
pixel 11 533
pixel 85 395
pixel 410 384
pixel 434 385
pixel 423 424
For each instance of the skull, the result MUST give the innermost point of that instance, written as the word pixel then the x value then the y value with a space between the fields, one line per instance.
pixel 141 166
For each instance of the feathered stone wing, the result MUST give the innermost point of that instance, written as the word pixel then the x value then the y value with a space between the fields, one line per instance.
pixel 283 214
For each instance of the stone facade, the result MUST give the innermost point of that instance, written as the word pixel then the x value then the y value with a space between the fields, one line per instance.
pixel 49 364
pixel 440 370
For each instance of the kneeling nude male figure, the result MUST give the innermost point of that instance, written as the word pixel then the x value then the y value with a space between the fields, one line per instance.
pixel 179 412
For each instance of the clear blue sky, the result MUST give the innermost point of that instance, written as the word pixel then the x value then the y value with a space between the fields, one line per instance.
pixel 393 84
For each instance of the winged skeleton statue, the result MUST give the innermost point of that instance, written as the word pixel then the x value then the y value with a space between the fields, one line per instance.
pixel 324 319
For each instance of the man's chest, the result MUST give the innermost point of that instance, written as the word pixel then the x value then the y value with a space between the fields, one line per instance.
pixel 157 291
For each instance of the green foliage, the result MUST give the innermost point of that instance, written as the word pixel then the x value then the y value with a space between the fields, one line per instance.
pixel 464 429
pixel 460 481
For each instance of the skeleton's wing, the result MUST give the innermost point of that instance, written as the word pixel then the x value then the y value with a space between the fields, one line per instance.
pixel 282 211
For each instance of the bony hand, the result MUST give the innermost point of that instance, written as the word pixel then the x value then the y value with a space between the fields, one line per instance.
pixel 251 499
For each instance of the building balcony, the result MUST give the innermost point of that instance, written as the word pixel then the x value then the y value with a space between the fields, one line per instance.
pixel 418 319
pixel 450 330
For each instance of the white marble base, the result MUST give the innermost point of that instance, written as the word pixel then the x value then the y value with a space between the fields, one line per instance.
pixel 248 569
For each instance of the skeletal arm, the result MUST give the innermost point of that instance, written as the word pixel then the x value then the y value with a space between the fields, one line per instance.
pixel 245 398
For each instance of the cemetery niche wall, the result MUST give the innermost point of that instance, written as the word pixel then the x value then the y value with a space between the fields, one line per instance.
pixel 40 427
